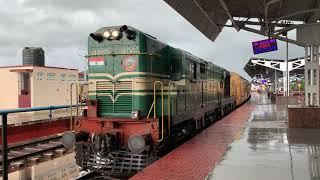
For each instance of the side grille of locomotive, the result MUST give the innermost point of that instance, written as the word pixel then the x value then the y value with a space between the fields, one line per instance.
pixel 114 99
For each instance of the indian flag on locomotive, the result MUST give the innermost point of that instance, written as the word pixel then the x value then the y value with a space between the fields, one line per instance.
pixel 96 61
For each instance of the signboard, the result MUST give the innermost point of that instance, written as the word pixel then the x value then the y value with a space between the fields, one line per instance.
pixel 263 46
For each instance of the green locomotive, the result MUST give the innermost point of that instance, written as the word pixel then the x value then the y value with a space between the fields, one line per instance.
pixel 144 96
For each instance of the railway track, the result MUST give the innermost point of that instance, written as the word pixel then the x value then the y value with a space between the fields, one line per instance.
pixel 31 152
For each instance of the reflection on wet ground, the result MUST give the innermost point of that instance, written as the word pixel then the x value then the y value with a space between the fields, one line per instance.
pixel 267 149
pixel 60 168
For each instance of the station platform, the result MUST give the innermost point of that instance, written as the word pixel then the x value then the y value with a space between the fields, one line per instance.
pixel 24 118
pixel 253 142
pixel 29 125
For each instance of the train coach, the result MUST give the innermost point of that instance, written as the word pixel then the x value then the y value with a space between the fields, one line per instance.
pixel 145 96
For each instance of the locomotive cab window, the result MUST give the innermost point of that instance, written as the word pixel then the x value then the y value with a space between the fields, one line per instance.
pixel 193 70
pixel 176 67
pixel 203 71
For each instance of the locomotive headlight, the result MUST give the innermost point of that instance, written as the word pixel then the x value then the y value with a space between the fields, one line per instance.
pixel 135 114
pixel 136 144
pixel 68 140
pixel 107 34
pixel 115 34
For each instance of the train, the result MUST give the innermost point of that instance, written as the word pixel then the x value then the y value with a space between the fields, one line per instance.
pixel 144 97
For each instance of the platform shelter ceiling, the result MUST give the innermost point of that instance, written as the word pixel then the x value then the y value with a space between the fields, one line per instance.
pixel 273 16
pixel 267 67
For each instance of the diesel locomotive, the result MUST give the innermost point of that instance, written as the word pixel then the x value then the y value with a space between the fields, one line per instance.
pixel 144 96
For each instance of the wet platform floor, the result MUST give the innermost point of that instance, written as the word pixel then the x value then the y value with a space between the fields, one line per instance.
pixel 267 149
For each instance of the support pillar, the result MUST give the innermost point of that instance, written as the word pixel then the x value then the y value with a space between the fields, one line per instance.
pixel 311 75
pixel 308 116
pixel 285 84
pixel 309 36
pixel 275 82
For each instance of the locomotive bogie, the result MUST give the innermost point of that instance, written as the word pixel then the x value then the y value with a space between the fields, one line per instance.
pixel 120 130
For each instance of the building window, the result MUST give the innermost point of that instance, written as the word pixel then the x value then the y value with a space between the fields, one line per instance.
pixel 314 77
pixel 40 76
pixel 309 77
pixel 202 68
pixel 62 77
pixel 193 69
pixel 315 53
pixel 309 52
pixel 71 77
pixel 51 76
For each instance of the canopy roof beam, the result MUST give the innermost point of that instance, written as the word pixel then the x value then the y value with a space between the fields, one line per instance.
pixel 224 6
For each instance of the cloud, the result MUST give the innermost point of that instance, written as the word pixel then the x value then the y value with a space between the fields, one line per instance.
pixel 61 27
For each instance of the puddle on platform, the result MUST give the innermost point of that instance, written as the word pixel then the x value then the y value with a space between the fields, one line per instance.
pixel 269 150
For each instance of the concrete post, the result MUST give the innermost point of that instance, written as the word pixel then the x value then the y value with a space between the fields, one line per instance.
pixel 309 36
pixel 311 76
pixel 275 81
pixel 284 83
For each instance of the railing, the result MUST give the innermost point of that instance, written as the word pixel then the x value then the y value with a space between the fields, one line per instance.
pixel 155 108
pixel 79 93
pixel 162 108
pixel 77 100
pixel 169 109
pixel 4 115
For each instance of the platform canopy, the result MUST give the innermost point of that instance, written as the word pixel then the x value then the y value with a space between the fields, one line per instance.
pixel 274 17
pixel 256 67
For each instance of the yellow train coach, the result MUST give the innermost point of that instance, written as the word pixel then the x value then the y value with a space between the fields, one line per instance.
pixel 239 88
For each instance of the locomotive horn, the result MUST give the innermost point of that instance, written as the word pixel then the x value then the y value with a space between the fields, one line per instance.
pixel 124 28
pixel 97 37
pixel 130 34
pixel 69 138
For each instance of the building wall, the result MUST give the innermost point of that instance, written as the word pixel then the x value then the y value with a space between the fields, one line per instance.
pixel 8 89
pixel 51 86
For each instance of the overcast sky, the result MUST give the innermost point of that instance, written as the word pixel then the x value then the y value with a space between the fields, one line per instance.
pixel 61 27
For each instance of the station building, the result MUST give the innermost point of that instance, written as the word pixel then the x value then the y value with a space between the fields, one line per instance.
pixel 34 86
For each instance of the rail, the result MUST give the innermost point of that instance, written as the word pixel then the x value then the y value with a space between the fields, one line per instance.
pixel 4 115
pixel 21 151
pixel 81 94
